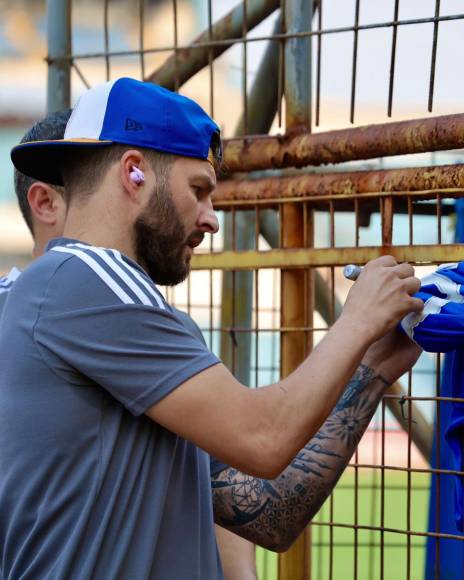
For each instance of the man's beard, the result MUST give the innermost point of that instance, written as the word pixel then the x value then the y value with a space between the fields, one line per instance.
pixel 161 239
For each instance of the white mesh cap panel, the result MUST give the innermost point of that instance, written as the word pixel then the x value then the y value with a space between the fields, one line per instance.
pixel 86 120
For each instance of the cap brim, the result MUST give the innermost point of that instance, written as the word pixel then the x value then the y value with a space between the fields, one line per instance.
pixel 43 160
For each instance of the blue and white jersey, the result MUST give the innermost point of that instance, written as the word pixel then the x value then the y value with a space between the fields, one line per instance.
pixel 89 486
pixel 440 328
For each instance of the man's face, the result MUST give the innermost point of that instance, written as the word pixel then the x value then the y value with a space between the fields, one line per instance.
pixel 175 220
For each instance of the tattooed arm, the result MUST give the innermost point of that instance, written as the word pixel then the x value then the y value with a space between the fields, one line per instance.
pixel 272 513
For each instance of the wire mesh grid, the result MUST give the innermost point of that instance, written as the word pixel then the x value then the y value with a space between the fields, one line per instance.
pixel 270 283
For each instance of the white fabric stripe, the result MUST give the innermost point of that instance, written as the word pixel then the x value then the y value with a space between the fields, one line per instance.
pixel 3 290
pixel 13 274
pixel 95 266
pixel 445 285
pixel 452 266
pixel 432 306
pixel 88 116
pixel 140 278
pixel 5 283
pixel 112 264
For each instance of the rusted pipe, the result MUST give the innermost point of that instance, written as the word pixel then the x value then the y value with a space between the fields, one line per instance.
pixel 429 180
pixel 368 142
pixel 185 63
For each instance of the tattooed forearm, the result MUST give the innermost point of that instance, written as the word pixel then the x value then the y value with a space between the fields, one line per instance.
pixel 273 513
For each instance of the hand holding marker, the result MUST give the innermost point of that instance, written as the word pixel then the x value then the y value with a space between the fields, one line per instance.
pixel 351 271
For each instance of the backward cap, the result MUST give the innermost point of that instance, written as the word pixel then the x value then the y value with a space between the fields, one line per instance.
pixel 128 112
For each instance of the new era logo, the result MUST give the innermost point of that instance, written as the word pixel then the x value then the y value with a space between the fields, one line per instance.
pixel 132 125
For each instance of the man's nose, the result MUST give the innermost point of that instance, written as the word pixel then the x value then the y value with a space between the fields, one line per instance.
pixel 208 221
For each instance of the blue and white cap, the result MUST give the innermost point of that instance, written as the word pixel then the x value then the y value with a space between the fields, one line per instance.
pixel 128 112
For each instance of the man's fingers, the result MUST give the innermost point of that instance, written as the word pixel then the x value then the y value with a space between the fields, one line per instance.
pixel 416 305
pixel 382 261
pixel 412 285
pixel 403 270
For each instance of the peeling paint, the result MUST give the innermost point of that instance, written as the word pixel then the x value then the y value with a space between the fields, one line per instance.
pixel 369 142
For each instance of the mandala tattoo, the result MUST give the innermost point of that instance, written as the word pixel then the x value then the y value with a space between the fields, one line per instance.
pixel 347 423
pixel 273 513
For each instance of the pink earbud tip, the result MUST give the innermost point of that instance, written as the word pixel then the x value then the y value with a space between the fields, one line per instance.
pixel 137 175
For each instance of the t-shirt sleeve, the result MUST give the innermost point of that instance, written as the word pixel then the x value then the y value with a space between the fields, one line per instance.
pixel 440 326
pixel 216 466
pixel 137 352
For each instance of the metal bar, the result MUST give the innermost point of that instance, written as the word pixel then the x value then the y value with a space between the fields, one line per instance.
pixel 343 202
pixel 391 530
pixel 421 430
pixel 354 64
pixel 245 67
pixel 434 55
pixel 387 220
pixel 106 30
pixel 438 478
pixel 142 36
pixel 318 69
pixel 193 58
pixel 262 105
pixel 368 142
pixel 341 185
pixel 330 311
pixel 80 74
pixel 310 257
pixel 175 58
pixel 210 60
pixel 382 493
pixel 228 42
pixel 263 96
pixel 297 287
pixel 59 45
pixel 393 59
pixel 297 86
pixel 236 301
pixel 410 221
pixel 409 480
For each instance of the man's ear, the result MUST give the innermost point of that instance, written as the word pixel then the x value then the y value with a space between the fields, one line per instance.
pixel 134 171
pixel 46 203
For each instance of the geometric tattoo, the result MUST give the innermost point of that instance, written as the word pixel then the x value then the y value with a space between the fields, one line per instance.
pixel 273 513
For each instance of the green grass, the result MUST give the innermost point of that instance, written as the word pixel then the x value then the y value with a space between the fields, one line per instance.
pixel 343 557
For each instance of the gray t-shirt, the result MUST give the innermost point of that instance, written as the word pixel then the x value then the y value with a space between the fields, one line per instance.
pixel 89 486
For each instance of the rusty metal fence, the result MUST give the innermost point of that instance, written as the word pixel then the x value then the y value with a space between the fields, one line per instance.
pixel 269 286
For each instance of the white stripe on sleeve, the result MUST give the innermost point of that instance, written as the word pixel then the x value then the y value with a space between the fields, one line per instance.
pixel 140 278
pixel 110 261
pixel 101 273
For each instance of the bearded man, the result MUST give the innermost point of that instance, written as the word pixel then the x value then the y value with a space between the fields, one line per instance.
pixel 109 406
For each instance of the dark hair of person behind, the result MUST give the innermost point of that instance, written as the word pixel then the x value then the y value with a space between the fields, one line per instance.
pixel 50 128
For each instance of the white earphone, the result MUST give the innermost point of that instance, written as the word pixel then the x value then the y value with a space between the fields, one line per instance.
pixel 137 175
